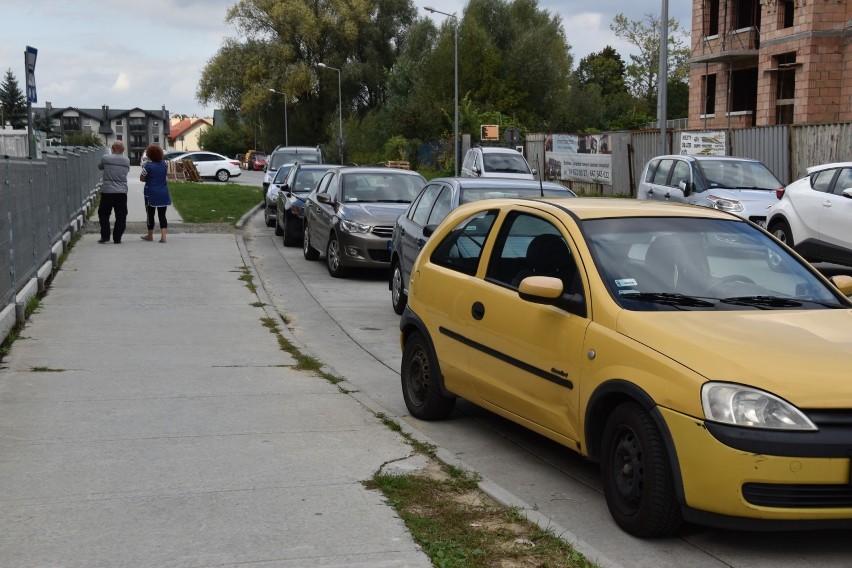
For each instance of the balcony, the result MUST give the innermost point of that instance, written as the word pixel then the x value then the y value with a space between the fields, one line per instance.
pixel 735 45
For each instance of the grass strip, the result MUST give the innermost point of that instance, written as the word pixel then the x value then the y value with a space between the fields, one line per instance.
pixel 213 202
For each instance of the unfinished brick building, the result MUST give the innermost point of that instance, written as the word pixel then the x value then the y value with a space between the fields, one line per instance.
pixel 766 62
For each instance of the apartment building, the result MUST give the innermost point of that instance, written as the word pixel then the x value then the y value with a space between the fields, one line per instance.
pixel 137 128
pixel 767 62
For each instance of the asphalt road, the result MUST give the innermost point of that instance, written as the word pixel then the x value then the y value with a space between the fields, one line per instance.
pixel 350 326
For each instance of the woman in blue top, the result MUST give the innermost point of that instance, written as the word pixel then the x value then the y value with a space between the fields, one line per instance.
pixel 156 191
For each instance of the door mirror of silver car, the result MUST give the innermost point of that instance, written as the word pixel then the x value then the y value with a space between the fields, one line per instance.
pixel 847 192
pixel 685 187
pixel 323 198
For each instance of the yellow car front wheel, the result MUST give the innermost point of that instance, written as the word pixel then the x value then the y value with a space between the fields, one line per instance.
pixel 637 476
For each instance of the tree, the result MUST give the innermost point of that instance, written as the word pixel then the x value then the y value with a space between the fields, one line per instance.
pixel 606 71
pixel 516 58
pixel 227 140
pixel 644 67
pixel 89 139
pixel 285 40
pixel 13 104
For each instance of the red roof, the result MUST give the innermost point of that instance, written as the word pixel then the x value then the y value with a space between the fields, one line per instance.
pixel 180 128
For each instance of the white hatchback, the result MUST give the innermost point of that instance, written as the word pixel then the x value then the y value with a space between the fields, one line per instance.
pixel 814 214
pixel 742 186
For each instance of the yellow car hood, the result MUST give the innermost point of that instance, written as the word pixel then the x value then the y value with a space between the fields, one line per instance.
pixel 802 356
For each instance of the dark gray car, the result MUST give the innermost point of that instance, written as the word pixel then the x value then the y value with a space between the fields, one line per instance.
pixel 434 202
pixel 351 214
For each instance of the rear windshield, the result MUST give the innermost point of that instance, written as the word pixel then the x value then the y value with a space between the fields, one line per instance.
pixel 279 158
pixel 506 163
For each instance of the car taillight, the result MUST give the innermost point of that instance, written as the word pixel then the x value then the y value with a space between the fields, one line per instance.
pixel 779 193
pixel 235 163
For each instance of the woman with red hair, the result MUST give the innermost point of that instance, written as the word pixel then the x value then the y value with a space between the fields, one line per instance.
pixel 156 191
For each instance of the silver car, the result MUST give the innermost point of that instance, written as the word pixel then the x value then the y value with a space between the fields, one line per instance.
pixel 351 213
pixel 741 186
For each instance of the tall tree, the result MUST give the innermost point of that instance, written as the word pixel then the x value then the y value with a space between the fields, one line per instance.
pixel 13 104
pixel 644 67
pixel 284 42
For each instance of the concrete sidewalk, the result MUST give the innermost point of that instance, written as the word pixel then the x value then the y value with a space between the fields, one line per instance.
pixel 147 418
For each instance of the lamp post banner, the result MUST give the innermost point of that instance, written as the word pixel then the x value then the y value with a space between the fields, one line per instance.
pixel 30 62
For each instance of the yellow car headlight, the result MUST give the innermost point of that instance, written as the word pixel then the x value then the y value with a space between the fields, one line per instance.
pixel 740 405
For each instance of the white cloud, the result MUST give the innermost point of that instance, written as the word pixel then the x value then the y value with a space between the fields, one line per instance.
pixel 122 83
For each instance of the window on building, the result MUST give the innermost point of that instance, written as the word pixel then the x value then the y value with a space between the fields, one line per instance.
pixel 708 89
pixel 786 13
pixel 785 87
pixel 71 123
pixel 138 124
pixel 156 138
pixel 118 122
pixel 747 14
pixel 711 21
pixel 744 90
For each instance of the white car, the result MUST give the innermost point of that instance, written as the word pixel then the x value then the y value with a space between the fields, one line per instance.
pixel 212 165
pixel 494 162
pixel 741 186
pixel 814 214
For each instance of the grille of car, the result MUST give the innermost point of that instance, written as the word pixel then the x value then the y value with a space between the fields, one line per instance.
pixel 383 231
pixel 798 496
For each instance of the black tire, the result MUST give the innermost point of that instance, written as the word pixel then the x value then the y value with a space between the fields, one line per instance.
pixel 270 222
pixel 637 476
pixel 333 258
pixel 290 240
pixel 398 296
pixel 223 175
pixel 278 229
pixel 309 252
pixel 420 381
pixel 781 231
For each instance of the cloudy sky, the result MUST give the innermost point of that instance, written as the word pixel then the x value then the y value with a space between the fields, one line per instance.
pixel 148 54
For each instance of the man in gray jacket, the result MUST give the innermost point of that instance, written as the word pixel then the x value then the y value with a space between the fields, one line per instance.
pixel 115 166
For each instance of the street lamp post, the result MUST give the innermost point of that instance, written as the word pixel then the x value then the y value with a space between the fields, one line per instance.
pixel 340 107
pixel 286 137
pixel 456 64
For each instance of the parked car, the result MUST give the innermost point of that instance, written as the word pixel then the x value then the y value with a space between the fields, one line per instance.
pixel 289 208
pixel 433 203
pixel 289 155
pixel 257 162
pixel 814 214
pixel 742 186
pixel 271 196
pixel 496 162
pixel 351 213
pixel 173 154
pixel 692 355
pixel 212 165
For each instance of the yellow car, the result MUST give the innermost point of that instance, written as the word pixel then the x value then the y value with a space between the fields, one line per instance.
pixel 703 364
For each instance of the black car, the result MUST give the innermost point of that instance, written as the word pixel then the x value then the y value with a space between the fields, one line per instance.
pixel 351 213
pixel 289 210
pixel 434 202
